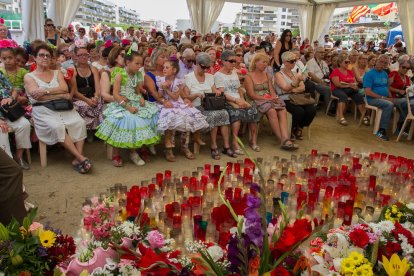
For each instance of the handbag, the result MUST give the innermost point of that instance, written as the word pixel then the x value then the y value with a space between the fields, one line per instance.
pixel 213 102
pixel 301 99
pixel 57 105
pixel 13 111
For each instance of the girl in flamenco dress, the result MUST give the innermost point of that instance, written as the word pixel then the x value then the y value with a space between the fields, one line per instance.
pixel 181 116
pixel 130 121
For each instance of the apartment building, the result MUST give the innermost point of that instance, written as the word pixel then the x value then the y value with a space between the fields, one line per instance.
pixel 263 20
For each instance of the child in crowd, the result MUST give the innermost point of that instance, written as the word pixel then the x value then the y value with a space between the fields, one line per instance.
pixel 180 117
pixel 130 121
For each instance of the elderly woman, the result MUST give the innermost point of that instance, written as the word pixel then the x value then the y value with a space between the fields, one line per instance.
pixel 344 85
pixel 259 88
pixel 398 82
pixel 20 127
pixel 55 120
pixel 86 89
pixel 227 81
pixel 288 83
pixel 197 84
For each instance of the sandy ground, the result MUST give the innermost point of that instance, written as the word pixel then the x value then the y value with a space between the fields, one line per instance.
pixel 59 191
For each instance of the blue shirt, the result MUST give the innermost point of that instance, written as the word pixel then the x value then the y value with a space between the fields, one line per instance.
pixel 377 81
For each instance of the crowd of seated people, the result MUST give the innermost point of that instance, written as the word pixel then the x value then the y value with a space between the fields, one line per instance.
pixel 131 89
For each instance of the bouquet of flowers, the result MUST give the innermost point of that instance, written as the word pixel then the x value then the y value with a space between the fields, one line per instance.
pixel 32 248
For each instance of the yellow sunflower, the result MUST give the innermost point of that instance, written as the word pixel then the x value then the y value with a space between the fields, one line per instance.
pixel 47 238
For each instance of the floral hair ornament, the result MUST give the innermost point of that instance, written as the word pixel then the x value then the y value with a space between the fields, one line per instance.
pixel 125 42
pixel 173 58
pixel 8 43
pixel 108 43
pixel 51 45
pixel 99 43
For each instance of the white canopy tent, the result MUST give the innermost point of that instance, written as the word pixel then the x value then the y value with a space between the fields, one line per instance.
pixel 314 14
pixel 61 12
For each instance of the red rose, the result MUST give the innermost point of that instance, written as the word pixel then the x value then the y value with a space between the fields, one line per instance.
pixel 359 238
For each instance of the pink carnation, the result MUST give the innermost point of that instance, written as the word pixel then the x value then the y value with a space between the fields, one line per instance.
pixel 35 228
pixel 155 239
pixel 95 200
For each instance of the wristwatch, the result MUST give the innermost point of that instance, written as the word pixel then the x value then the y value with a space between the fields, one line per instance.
pixel 47 92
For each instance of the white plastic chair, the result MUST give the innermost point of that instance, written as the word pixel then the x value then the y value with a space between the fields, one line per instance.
pixel 410 116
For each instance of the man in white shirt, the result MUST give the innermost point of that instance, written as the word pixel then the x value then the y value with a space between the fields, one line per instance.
pixel 327 43
pixel 168 35
pixel 318 71
pixel 249 55
pixel 130 35
pixel 186 39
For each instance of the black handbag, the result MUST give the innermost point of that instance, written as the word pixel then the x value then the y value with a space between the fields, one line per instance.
pixel 13 111
pixel 57 105
pixel 213 102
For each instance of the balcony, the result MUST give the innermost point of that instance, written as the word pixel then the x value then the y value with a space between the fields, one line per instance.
pixel 6 2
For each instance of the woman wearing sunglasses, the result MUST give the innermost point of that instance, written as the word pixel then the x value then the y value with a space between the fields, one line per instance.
pixel 284 44
pixel 52 35
pixel 227 81
pixel 289 82
pixel 344 86
pixel 55 119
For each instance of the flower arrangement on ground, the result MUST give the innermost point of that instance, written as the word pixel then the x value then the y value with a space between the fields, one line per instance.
pixel 32 248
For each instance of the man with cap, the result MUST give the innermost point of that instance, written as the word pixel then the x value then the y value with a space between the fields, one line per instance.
pixel 186 63
pixel 112 36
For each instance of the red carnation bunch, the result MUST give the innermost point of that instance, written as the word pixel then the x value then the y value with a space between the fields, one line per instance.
pixel 359 237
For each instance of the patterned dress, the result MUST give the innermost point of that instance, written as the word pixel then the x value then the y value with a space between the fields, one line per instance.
pixel 123 129
pixel 231 85
pixel 91 114
pixel 181 117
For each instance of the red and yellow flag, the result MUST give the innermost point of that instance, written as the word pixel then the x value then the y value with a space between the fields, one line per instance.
pixel 382 9
pixel 357 12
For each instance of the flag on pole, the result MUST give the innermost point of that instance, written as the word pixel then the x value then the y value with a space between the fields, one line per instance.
pixel 357 12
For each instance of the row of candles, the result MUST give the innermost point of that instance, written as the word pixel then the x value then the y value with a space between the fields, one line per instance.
pixel 341 186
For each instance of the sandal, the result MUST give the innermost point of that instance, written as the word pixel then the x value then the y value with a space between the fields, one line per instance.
pixel 79 168
pixel 238 152
pixel 117 161
pixel 169 155
pixel 343 121
pixel 366 121
pixel 229 152
pixel 187 153
pixel 256 148
pixel 215 154
pixel 288 145
pixel 86 165
pixel 298 134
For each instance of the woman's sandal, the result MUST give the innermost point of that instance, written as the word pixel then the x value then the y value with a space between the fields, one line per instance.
pixel 288 145
pixel 238 152
pixel 215 154
pixel 187 153
pixel 229 152
pixel 117 161
pixel 343 121
pixel 366 121
pixel 83 167
pixel 169 155
pixel 256 148
pixel 298 134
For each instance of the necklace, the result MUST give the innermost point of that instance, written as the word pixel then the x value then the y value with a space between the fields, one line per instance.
pixel 133 81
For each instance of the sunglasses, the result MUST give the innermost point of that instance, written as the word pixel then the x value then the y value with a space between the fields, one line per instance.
pixel 83 55
pixel 204 67
pixel 50 25
pixel 289 35
pixel 44 56
pixel 406 68
pixel 239 55
pixel 291 61
pixel 190 60
pixel 231 61
pixel 347 61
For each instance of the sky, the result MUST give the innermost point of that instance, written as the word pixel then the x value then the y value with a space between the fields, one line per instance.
pixel 171 10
